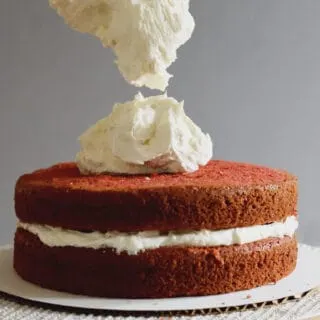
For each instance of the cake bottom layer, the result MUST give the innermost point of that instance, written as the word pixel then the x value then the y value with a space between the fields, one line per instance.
pixel 158 273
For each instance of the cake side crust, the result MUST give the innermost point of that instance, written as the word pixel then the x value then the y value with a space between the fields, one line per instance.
pixel 154 273
pixel 196 202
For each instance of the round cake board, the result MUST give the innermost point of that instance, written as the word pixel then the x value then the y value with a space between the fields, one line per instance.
pixel 305 278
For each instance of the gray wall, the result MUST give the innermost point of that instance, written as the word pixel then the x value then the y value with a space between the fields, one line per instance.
pixel 250 76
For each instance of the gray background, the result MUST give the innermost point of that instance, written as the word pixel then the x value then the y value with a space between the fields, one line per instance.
pixel 250 77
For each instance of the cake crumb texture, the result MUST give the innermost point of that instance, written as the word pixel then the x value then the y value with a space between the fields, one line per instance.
pixel 159 273
pixel 220 195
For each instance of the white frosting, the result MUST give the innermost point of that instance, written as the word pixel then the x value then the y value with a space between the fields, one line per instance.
pixel 145 135
pixel 144 34
pixel 135 243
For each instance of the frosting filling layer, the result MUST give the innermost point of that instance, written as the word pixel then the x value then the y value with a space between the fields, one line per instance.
pixel 138 242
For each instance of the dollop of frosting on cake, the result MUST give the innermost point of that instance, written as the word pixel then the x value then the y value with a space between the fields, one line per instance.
pixel 143 34
pixel 141 241
pixel 146 135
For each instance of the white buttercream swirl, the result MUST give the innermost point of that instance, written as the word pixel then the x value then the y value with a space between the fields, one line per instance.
pixel 144 35
pixel 146 135
pixel 141 241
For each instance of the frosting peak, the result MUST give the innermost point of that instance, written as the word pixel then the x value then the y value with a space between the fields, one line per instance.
pixel 145 135
pixel 143 34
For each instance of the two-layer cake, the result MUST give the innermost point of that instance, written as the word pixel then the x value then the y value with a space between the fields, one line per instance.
pixel 225 227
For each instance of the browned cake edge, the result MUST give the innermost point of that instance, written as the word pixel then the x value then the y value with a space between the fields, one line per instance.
pixel 159 273
pixel 162 208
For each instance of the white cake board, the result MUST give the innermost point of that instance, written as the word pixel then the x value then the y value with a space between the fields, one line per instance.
pixel 306 277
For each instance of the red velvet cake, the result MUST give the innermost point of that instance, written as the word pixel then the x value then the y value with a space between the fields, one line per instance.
pixel 226 227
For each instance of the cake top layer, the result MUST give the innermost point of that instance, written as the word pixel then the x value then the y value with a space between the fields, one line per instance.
pixel 215 174
pixel 220 195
